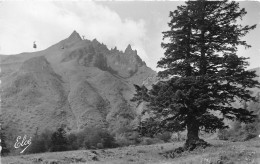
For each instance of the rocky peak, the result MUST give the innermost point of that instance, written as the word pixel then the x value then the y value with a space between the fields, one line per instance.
pixel 93 53
pixel 75 36
pixel 114 49
pixel 95 42
pixel 99 46
pixel 133 53
pixel 129 49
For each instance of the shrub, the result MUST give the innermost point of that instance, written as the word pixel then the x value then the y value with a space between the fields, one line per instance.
pixel 41 143
pixel 250 131
pixel 240 132
pixel 100 146
pixel 151 141
pixel 223 134
pixel 73 142
pixel 178 136
pixel 134 136
pixel 165 136
pixel 122 140
pixel 147 141
pixel 38 146
pixel 106 139
pixel 236 126
pixel 90 137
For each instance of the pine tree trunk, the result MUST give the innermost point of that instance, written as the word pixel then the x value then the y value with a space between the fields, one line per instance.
pixel 193 139
pixel 193 131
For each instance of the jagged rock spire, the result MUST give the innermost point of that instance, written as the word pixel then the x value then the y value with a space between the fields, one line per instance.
pixel 128 48
pixel 75 36
pixel 95 41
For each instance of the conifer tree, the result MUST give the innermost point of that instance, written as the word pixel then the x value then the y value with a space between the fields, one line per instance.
pixel 59 140
pixel 201 51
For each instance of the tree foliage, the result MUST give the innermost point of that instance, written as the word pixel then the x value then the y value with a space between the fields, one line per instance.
pixel 41 142
pixel 59 140
pixel 201 51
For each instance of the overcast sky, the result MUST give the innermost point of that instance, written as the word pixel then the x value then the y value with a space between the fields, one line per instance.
pixel 113 23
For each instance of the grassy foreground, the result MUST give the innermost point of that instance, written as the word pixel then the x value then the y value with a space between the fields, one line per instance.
pixel 220 152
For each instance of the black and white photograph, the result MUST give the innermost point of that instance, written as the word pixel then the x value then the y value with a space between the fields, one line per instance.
pixel 129 82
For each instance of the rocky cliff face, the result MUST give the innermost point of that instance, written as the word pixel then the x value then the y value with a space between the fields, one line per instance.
pixel 77 83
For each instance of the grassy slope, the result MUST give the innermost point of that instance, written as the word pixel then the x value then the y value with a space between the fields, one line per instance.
pixel 237 152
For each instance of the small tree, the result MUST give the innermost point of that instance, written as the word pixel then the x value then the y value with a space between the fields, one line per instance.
pixel 91 137
pixel 59 140
pixel 201 52
pixel 4 148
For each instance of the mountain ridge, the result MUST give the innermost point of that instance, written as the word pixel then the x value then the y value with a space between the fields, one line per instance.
pixel 77 83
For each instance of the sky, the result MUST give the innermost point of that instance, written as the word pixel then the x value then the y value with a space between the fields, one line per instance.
pixel 114 23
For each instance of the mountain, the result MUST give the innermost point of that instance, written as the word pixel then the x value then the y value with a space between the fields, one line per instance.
pixel 77 83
